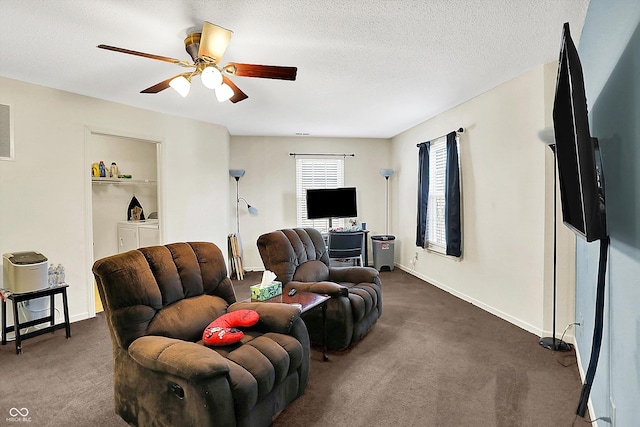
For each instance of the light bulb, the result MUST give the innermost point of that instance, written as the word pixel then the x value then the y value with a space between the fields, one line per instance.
pixel 181 85
pixel 211 77
pixel 224 92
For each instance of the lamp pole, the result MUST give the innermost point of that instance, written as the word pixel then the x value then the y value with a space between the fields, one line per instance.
pixel 237 206
pixel 386 173
pixel 236 174
pixel 552 343
pixel 386 232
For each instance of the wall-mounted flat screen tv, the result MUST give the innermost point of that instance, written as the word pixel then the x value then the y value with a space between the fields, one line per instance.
pixel 578 155
pixel 331 203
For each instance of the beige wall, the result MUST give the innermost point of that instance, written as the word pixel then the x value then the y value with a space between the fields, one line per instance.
pixel 566 256
pixel 45 193
pixel 507 177
pixel 269 182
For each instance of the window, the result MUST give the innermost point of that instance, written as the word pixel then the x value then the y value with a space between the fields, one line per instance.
pixel 317 173
pixel 439 214
pixel 436 235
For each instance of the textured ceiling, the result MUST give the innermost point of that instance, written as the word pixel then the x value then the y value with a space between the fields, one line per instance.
pixel 366 68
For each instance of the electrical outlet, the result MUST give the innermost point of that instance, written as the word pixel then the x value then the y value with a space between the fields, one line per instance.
pixel 580 332
pixel 612 412
pixel 416 257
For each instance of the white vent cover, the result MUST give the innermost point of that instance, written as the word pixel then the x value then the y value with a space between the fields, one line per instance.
pixel 6 133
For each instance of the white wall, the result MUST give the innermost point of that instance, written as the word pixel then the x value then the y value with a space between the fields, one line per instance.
pixel 269 183
pixel 507 177
pixel 44 192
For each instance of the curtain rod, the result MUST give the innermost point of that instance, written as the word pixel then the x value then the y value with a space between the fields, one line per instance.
pixel 323 154
pixel 460 130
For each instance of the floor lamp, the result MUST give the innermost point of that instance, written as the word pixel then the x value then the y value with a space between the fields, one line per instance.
pixel 235 243
pixel 387 173
pixel 237 174
pixel 552 343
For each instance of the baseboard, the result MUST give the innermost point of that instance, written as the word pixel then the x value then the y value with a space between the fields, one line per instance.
pixel 505 316
pixel 513 320
pixel 79 317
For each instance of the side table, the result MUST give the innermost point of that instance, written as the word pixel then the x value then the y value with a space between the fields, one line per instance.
pixel 306 301
pixel 27 296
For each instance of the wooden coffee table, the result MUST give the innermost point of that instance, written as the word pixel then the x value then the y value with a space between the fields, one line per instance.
pixel 306 301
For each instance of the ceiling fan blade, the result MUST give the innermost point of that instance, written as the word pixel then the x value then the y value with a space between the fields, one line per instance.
pixel 262 71
pixel 238 95
pixel 159 87
pixel 213 42
pixel 146 55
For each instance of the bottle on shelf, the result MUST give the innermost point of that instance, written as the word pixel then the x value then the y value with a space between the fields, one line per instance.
pixel 103 169
pixel 52 277
pixel 60 274
pixel 114 170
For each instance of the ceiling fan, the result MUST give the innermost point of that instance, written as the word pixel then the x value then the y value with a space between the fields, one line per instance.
pixel 206 49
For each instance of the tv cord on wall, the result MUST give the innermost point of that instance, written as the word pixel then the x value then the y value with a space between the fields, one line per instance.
pixel 597 329
pixel 567 328
pixel 570 359
pixel 605 419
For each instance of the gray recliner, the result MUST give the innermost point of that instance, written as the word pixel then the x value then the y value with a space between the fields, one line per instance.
pixel 300 260
pixel 158 301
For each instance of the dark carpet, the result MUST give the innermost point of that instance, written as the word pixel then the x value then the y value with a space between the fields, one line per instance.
pixel 430 360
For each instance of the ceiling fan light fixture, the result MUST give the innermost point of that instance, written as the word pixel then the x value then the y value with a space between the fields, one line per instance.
pixel 224 92
pixel 205 47
pixel 211 77
pixel 213 41
pixel 182 85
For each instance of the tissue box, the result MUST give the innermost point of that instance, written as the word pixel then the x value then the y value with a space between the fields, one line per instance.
pixel 261 294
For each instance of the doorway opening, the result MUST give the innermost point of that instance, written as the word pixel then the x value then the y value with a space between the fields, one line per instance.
pixel 129 178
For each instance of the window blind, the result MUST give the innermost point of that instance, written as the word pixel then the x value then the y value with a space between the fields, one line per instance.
pixel 316 173
pixel 436 234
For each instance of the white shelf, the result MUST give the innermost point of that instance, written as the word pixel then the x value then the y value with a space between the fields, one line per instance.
pixel 122 181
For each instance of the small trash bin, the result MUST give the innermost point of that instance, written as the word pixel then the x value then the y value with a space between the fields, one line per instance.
pixel 383 251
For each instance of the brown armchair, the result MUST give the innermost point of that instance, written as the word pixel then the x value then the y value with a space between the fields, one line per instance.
pixel 158 301
pixel 300 260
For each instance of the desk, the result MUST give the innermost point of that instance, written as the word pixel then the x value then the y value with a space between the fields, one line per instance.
pixel 365 248
pixel 27 296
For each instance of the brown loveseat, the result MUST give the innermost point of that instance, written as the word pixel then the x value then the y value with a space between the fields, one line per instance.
pixel 158 301
pixel 300 260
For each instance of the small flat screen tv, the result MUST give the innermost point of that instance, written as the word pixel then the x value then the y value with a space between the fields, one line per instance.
pixel 578 156
pixel 331 203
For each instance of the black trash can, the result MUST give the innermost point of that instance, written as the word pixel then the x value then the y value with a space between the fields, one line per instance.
pixel 383 251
